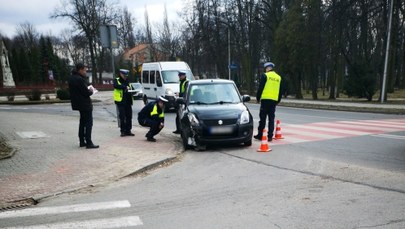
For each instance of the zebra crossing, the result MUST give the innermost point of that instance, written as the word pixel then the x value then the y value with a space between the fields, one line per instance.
pixel 40 212
pixel 320 131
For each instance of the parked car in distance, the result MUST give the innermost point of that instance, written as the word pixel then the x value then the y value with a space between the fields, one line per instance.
pixel 213 111
pixel 137 90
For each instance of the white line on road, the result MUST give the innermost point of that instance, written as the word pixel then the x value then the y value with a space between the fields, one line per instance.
pixel 399 137
pixel 65 209
pixel 121 222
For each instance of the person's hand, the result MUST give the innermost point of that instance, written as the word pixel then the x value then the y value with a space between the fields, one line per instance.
pixel 258 100
pixel 162 125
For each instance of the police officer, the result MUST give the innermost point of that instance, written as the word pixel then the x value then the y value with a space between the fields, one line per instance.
pixel 269 95
pixel 182 89
pixel 152 115
pixel 123 101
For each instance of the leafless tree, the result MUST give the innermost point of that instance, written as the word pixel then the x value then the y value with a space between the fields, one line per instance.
pixel 88 16
pixel 125 24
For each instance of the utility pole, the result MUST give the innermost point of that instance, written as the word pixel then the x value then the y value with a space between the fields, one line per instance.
pixel 387 53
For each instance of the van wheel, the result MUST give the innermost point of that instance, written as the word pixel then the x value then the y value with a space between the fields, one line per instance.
pixel 145 100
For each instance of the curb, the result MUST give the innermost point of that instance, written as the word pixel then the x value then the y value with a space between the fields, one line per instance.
pixel 341 107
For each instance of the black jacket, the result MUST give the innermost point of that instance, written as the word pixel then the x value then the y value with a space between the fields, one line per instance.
pixel 79 93
pixel 146 110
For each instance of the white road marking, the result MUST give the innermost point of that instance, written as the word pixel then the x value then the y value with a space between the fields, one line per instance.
pixel 297 133
pixel 65 209
pixel 90 224
pixel 31 134
pixel 391 136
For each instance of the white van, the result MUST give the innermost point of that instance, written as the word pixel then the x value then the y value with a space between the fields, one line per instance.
pixel 161 78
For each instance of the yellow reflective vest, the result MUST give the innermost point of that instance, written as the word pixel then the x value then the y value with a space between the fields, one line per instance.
pixel 155 111
pixel 118 94
pixel 271 89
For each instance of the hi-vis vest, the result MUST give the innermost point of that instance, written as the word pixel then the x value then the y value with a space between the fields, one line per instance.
pixel 119 93
pixel 182 86
pixel 155 111
pixel 272 86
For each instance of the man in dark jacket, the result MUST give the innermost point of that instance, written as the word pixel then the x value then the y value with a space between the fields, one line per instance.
pixel 80 101
pixel 152 115
pixel 123 100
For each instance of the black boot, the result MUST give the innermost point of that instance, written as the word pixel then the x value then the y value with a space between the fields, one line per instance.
pixel 82 143
pixel 91 145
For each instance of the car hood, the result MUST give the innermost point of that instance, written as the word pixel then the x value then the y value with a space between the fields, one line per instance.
pixel 217 111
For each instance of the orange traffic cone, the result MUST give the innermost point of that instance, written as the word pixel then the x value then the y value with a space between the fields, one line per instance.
pixel 278 131
pixel 264 146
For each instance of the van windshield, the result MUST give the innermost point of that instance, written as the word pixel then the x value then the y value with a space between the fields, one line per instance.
pixel 173 76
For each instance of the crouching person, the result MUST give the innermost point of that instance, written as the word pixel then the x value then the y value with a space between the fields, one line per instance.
pixel 152 115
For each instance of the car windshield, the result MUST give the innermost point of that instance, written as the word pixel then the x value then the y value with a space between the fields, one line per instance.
pixel 173 76
pixel 220 93
pixel 136 86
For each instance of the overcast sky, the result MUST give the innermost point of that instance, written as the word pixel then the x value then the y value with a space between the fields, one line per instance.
pixel 36 12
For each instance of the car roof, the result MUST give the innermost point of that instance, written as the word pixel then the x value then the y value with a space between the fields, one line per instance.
pixel 207 81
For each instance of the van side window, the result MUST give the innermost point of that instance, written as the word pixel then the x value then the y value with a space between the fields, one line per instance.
pixel 152 77
pixel 158 79
pixel 145 77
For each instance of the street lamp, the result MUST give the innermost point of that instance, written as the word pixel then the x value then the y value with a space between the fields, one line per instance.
pixel 229 54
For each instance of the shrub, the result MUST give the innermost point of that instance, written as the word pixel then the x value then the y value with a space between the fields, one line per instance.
pixel 34 96
pixel 63 94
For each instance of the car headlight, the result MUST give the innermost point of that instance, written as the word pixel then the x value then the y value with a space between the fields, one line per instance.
pixel 244 117
pixel 193 119
pixel 169 91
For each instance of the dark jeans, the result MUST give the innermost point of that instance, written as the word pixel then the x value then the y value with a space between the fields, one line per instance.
pixel 125 117
pixel 153 124
pixel 267 109
pixel 85 126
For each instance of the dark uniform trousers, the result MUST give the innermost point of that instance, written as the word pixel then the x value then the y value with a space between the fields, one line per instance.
pixel 125 116
pixel 153 124
pixel 267 109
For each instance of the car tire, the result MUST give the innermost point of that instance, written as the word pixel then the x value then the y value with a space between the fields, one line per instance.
pixel 200 147
pixel 145 100
pixel 248 143
pixel 184 137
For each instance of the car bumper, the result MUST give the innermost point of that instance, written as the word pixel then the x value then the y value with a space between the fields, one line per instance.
pixel 137 95
pixel 171 101
pixel 229 134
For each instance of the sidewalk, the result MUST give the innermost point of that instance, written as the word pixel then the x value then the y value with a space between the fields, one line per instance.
pixel 384 108
pixel 49 161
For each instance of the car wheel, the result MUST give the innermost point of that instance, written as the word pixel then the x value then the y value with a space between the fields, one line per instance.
pixel 184 138
pixel 145 99
pixel 248 143
pixel 200 147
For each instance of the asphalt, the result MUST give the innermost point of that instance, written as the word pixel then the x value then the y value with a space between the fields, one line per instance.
pixel 47 160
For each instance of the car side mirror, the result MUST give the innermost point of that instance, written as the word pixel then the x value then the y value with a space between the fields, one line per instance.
pixel 245 98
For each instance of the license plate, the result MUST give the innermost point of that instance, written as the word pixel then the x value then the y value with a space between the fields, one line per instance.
pixel 221 130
